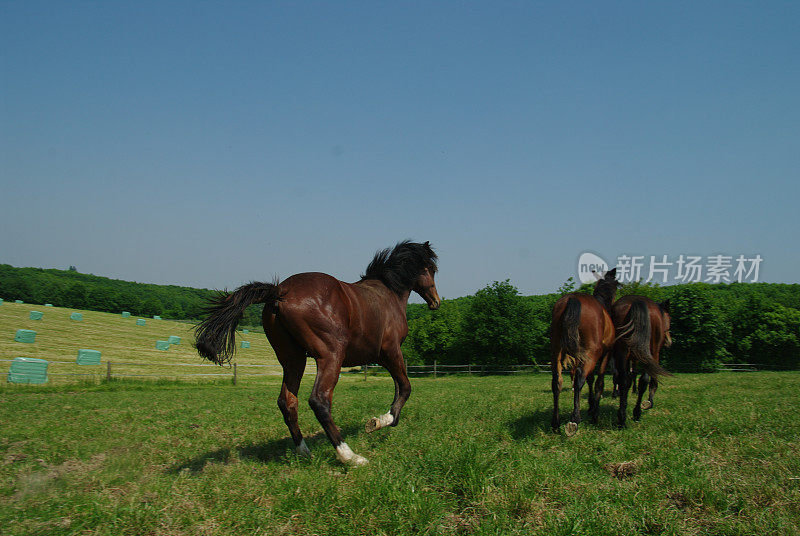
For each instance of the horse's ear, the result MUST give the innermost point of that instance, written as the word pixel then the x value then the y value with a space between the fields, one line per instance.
pixel 612 273
pixel 665 305
pixel 596 275
pixel 427 244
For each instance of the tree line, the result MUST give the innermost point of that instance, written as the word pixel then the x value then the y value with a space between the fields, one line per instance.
pixel 70 288
pixel 494 328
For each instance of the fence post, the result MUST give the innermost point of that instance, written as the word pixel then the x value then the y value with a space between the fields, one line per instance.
pixel 434 369
pixel 469 368
pixel 234 374
pixel 366 367
pixel 108 370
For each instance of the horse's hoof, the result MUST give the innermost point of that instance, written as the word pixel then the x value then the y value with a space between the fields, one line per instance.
pixel 358 461
pixel 375 423
pixel 302 449
pixel 647 404
pixel 372 425
pixel 571 429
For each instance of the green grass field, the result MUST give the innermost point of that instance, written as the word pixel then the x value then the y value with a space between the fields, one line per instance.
pixel 718 454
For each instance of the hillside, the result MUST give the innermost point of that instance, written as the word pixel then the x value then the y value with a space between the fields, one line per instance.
pixel 120 340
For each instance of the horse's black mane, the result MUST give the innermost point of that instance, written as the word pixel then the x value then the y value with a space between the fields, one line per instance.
pixel 606 289
pixel 400 266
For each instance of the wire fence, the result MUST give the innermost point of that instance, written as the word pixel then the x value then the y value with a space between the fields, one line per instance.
pixel 109 370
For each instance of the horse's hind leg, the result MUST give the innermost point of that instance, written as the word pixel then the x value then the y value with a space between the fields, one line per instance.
pixel 556 385
pixel 582 371
pixel 647 404
pixel 653 386
pixel 396 366
pixel 644 379
pixel 321 401
pixel 292 358
pixel 621 362
pixel 599 384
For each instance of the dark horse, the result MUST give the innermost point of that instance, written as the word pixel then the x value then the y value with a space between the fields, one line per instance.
pixel 581 336
pixel 642 331
pixel 338 324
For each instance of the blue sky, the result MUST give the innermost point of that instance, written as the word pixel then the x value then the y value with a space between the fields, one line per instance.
pixel 208 144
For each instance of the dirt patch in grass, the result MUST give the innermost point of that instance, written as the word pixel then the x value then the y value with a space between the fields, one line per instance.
pixel 622 470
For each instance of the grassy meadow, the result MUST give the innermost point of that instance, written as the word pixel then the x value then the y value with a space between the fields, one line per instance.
pixel 718 454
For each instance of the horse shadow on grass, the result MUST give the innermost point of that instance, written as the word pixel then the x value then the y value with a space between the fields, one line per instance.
pixel 276 450
pixel 539 420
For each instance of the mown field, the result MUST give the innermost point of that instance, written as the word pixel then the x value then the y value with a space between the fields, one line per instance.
pixel 718 454
pixel 130 348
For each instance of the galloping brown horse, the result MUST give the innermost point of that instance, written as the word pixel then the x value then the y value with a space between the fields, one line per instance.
pixel 581 336
pixel 642 331
pixel 338 324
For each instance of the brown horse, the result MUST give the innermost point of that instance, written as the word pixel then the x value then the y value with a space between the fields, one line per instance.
pixel 338 324
pixel 581 336
pixel 642 331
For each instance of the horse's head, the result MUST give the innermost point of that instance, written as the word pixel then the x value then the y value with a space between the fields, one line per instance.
pixel 664 306
pixel 425 286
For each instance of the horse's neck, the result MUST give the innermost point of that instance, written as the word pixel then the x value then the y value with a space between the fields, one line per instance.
pixel 403 299
pixel 605 297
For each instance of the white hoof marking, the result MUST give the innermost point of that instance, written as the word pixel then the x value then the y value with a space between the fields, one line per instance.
pixel 302 449
pixel 376 423
pixel 571 429
pixel 347 456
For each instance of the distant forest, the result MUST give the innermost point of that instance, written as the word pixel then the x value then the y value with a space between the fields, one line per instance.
pixel 496 327
pixel 70 288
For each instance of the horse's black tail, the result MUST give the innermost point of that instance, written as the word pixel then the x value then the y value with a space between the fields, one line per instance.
pixel 636 332
pixel 215 337
pixel 570 335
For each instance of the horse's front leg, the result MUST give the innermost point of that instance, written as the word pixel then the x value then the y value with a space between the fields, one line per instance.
pixel 395 364
pixel 321 400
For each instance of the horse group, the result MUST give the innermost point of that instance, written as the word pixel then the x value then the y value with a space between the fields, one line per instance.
pixel 349 324
pixel 587 332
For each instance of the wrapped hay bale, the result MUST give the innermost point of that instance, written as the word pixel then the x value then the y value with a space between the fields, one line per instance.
pixel 88 357
pixel 28 370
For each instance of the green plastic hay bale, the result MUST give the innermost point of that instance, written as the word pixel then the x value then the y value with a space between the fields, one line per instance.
pixel 88 357
pixel 156 317
pixel 77 317
pixel 48 304
pixel 245 331
pixel 36 315
pixel 174 339
pixel 25 335
pixel 125 314
pixel 28 370
pixel 18 301
pixel 140 322
pixel 162 345
pixel 245 344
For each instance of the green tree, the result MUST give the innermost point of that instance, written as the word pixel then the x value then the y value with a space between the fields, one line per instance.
pixel 767 334
pixel 698 331
pixel 497 327
pixel 436 336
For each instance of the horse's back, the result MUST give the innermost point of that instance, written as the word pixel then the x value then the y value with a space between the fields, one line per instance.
pixel 596 325
pixel 318 307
